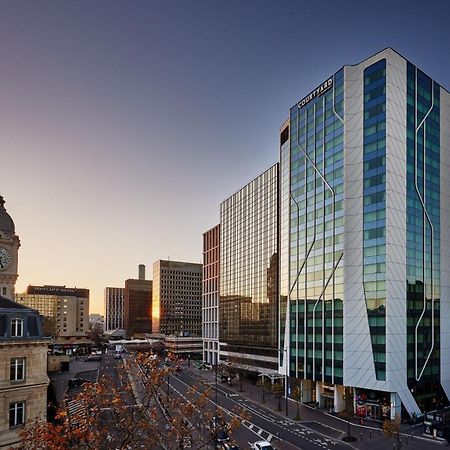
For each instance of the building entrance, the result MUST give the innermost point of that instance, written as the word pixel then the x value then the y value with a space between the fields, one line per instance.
pixel 326 402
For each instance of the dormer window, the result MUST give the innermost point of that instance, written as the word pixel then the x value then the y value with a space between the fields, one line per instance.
pixel 16 327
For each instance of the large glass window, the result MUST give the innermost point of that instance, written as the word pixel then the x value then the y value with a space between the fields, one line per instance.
pixel 423 238
pixel 374 224
pixel 17 369
pixel 16 414
pixel 315 236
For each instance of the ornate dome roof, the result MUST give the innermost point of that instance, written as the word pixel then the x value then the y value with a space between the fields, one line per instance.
pixel 6 223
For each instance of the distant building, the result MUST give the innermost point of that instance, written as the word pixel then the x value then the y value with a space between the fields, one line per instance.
pixel 183 346
pixel 248 302
pixel 114 308
pixel 177 298
pixel 138 305
pixel 96 322
pixel 65 310
pixel 9 249
pixel 23 370
pixel 210 296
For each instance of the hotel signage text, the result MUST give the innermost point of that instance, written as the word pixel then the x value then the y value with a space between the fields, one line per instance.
pixel 316 93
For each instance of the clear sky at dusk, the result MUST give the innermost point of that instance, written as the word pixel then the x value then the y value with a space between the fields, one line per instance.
pixel 123 125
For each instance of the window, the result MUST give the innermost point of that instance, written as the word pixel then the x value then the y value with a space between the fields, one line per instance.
pixel 17 369
pixel 16 327
pixel 4 291
pixel 16 414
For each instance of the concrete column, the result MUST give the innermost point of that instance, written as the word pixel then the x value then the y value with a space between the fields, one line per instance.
pixel 396 405
pixel 339 402
pixel 318 392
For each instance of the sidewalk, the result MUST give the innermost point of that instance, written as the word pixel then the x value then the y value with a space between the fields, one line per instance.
pixel 369 435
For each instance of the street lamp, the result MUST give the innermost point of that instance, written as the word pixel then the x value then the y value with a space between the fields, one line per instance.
pixel 286 378
pixel 168 383
pixel 217 363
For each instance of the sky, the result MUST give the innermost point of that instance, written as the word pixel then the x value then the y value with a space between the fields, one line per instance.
pixel 125 124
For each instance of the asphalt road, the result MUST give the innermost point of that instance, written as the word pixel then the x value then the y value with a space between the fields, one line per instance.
pixel 115 419
pixel 261 422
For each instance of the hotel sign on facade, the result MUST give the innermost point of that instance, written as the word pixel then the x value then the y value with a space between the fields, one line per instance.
pixel 316 93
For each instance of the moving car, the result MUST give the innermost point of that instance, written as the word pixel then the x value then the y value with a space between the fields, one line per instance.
pixel 218 423
pixel 230 446
pixel 222 436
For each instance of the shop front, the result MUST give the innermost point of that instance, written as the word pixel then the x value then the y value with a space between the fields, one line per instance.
pixel 370 404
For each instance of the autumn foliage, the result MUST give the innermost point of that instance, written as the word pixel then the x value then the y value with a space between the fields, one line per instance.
pixel 142 414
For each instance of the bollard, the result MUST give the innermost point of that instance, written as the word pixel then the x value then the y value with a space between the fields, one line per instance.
pixel 370 434
pixel 361 437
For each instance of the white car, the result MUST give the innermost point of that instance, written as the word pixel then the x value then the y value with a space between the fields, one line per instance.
pixel 262 445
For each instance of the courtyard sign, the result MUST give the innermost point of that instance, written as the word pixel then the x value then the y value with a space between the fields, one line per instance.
pixel 316 93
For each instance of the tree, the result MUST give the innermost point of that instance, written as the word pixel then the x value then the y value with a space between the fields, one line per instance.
pixel 265 385
pixel 297 396
pixel 391 428
pixel 95 333
pixel 237 367
pixel 278 389
pixel 103 417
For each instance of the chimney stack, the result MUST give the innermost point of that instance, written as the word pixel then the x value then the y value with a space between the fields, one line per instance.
pixel 141 271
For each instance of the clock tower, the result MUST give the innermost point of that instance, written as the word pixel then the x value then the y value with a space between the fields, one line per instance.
pixel 9 250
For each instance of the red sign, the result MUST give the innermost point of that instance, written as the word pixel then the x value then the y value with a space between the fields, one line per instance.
pixel 361 410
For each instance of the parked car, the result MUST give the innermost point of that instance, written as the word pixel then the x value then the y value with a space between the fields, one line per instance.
pixel 262 445
pixel 117 356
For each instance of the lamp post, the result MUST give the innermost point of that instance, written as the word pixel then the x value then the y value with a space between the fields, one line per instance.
pixel 286 378
pixel 217 363
pixel 168 382
pixel 262 387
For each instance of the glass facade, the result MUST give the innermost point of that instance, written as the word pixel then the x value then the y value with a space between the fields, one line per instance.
pixel 374 217
pixel 284 233
pixel 249 271
pixel 316 227
pixel 423 238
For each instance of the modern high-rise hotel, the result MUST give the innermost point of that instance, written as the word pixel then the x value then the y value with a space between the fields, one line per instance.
pixel 365 240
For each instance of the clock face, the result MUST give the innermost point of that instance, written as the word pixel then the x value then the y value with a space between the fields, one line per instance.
pixel 5 259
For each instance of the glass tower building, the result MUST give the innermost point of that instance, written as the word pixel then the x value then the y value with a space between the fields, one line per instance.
pixel 248 293
pixel 365 240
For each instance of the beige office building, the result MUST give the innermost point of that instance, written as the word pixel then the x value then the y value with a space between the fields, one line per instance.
pixel 114 308
pixel 65 310
pixel 177 298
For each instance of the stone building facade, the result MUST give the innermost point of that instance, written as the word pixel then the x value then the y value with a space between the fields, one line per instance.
pixel 23 370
